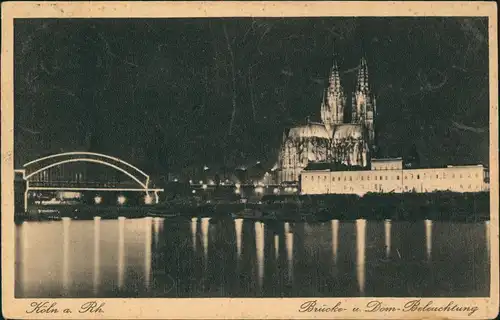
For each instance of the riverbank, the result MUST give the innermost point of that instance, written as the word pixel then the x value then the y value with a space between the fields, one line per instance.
pixel 79 212
pixel 395 206
pixel 437 206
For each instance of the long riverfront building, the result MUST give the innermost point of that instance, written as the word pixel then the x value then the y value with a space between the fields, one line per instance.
pixel 389 175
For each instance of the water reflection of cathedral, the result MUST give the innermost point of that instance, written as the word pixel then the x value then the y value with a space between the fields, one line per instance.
pixel 344 135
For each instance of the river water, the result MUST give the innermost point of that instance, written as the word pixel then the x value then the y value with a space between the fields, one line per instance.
pixel 152 257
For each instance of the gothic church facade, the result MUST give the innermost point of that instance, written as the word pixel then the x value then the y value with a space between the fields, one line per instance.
pixel 345 135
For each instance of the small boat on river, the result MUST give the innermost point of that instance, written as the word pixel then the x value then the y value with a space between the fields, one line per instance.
pixel 248 213
pixel 162 214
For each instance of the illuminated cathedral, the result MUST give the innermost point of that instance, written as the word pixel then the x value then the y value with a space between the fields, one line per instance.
pixel 345 135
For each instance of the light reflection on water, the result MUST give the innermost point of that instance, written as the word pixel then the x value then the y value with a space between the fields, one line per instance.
pixel 487 228
pixel 151 257
pixel 289 250
pixel 121 251
pixel 66 235
pixel 276 246
pixel 428 238
pixel 204 234
pixel 97 254
pixel 25 259
pixel 335 239
pixel 387 236
pixel 147 252
pixel 360 254
pixel 259 247
pixel 238 225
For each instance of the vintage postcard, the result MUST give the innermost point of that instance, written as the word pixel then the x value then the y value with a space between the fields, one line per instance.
pixel 249 160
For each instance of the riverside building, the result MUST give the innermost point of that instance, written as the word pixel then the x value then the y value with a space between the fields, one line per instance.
pixel 390 176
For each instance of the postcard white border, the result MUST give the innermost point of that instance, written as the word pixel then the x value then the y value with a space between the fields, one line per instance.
pixel 250 308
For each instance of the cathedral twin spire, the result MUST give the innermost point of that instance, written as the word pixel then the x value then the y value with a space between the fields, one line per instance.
pixel 334 102
pixel 362 80
pixel 363 102
pixel 332 106
pixel 334 81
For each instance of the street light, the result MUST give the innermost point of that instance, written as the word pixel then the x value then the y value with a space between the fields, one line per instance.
pixel 148 199
pixel 121 200
pixel 98 199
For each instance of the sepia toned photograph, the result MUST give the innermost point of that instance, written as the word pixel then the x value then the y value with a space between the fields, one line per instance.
pixel 303 157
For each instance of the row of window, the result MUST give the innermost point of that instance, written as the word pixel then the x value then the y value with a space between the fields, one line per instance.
pixel 378 187
pixel 386 168
pixel 406 177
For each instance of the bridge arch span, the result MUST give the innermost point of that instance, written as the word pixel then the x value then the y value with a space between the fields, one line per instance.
pixel 32 169
pixel 41 164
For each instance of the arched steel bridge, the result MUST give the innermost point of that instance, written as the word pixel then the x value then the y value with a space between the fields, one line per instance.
pixel 34 168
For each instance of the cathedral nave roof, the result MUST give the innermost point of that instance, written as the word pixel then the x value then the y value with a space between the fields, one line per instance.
pixel 345 131
pixel 310 130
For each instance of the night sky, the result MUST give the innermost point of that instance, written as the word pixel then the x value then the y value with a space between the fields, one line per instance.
pixel 170 93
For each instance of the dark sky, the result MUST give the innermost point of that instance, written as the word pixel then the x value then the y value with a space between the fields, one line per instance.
pixel 167 93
